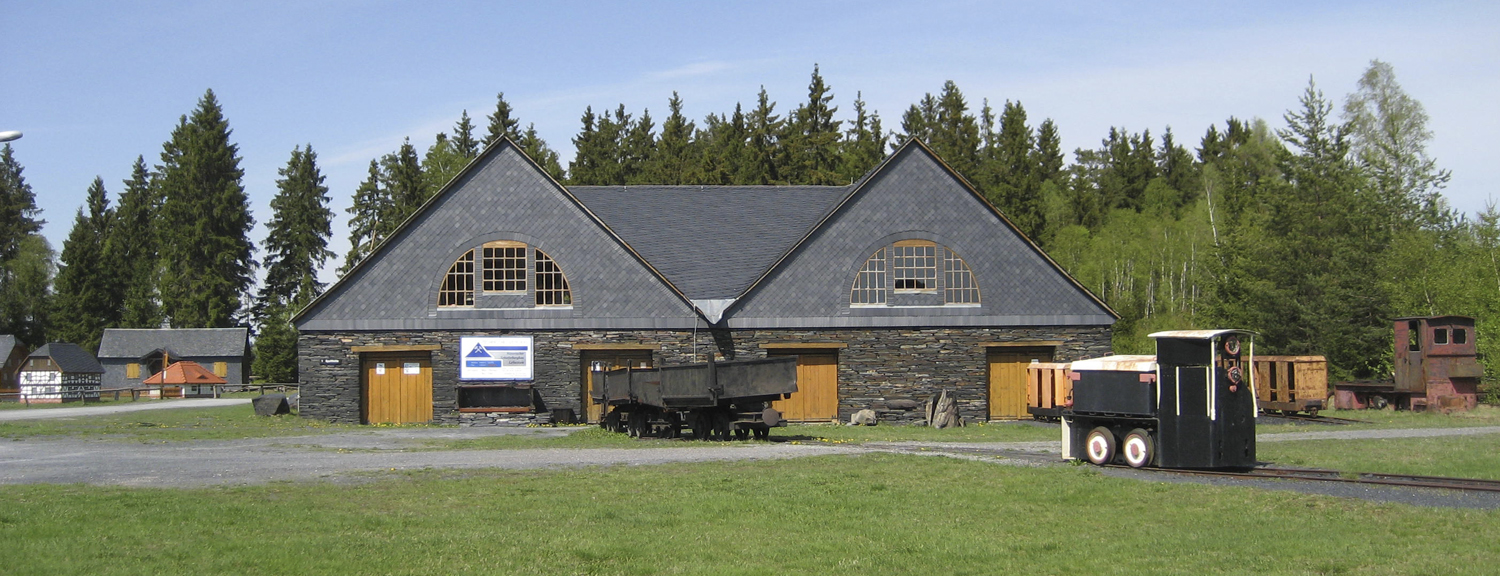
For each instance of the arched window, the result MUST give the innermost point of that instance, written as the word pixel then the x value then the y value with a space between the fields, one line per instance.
pixel 458 283
pixel 869 284
pixel 504 274
pixel 551 284
pixel 913 277
pixel 958 281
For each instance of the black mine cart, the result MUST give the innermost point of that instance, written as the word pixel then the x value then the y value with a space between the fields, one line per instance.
pixel 712 400
pixel 1192 405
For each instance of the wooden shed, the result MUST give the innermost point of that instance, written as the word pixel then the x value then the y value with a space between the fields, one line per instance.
pixel 13 353
pixel 60 372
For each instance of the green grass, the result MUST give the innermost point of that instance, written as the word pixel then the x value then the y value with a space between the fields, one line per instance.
pixel 1482 415
pixel 172 424
pixel 877 514
pixel 1457 456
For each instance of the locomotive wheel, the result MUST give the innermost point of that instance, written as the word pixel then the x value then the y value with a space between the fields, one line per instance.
pixel 1137 448
pixel 1099 447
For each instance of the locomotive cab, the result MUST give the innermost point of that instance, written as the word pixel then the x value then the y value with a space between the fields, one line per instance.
pixel 1190 406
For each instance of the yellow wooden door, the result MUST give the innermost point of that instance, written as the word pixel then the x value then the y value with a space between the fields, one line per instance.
pixel 817 396
pixel 398 389
pixel 1008 380
pixel 611 360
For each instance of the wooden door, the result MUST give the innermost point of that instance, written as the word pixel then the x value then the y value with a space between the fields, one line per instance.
pixel 1008 380
pixel 612 360
pixel 397 388
pixel 817 396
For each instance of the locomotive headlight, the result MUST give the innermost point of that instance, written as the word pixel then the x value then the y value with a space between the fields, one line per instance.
pixel 1235 378
pixel 1232 345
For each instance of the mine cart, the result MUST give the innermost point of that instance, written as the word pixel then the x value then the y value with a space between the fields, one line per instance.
pixel 712 400
pixel 1290 384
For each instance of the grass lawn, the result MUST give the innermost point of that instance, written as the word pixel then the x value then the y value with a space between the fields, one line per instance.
pixel 1457 456
pixel 1482 415
pixel 172 424
pixel 878 514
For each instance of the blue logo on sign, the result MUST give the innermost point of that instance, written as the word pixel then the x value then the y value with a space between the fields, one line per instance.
pixel 478 352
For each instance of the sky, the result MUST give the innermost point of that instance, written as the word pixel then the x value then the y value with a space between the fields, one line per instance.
pixel 93 85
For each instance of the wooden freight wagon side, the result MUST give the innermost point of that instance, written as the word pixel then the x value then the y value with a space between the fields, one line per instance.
pixel 1291 383
pixel 1048 389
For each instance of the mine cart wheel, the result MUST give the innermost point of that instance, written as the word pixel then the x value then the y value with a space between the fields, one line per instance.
pixel 742 433
pixel 1137 448
pixel 762 432
pixel 1312 412
pixel 1100 446
pixel 701 422
pixel 638 426
pixel 611 422
pixel 723 426
pixel 674 426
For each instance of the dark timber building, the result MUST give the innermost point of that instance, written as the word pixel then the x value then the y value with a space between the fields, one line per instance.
pixel 501 292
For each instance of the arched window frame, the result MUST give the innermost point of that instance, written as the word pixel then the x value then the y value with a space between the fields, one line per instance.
pixel 914 267
pixel 505 267
pixel 457 289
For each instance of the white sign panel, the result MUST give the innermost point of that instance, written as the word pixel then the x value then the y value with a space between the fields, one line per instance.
pixel 411 368
pixel 495 358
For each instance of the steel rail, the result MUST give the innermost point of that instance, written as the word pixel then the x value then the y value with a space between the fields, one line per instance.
pixel 1372 478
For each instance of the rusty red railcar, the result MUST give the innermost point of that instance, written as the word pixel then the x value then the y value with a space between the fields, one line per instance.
pixel 1436 368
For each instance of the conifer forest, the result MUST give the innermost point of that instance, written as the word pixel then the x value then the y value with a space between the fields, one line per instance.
pixel 1314 229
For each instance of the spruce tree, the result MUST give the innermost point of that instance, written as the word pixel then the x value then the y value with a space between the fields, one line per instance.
pixel 536 148
pixel 1017 191
pixel 955 134
pixel 587 165
pixel 205 249
pixel 501 123
pixel 276 346
pixel 87 288
pixel 18 210
pixel 813 138
pixel 764 150
pixel 919 121
pixel 864 143
pixel 463 137
pixel 403 177
pixel 367 223
pixel 637 151
pixel 674 161
pixel 26 261
pixel 132 247
pixel 297 236
pixel 442 162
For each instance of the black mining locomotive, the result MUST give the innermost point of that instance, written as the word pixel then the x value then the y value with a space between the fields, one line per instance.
pixel 1190 406
pixel 715 400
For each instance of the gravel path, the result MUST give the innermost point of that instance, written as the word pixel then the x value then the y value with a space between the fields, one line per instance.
pixel 45 413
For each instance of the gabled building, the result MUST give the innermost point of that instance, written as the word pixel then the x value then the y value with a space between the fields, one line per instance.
pixel 888 290
pixel 60 372
pixel 12 355
pixel 131 355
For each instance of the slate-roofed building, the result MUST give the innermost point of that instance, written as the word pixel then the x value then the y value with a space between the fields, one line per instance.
pixel 60 372
pixel 887 290
pixel 12 355
pixel 131 355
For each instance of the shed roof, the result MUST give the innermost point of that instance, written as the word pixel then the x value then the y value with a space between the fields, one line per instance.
pixel 711 242
pixel 184 342
pixel 7 343
pixel 184 372
pixel 71 358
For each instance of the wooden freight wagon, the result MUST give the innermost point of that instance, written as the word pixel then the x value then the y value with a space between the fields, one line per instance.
pixel 1290 384
pixel 1049 389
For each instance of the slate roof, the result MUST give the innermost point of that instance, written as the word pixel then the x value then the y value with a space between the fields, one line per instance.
pixel 7 343
pixel 711 242
pixel 71 358
pixel 183 342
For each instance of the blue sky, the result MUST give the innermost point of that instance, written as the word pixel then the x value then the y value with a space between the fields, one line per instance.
pixel 94 84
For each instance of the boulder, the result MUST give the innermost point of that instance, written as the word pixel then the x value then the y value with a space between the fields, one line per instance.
pixel 271 405
pixel 864 417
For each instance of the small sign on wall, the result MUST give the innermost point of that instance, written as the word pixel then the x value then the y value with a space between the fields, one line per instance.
pixel 495 358
pixel 411 367
pixel 380 368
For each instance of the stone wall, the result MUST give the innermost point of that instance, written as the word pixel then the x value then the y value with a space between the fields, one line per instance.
pixel 889 370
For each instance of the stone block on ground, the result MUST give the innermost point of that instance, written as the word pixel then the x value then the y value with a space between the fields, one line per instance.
pixel 271 405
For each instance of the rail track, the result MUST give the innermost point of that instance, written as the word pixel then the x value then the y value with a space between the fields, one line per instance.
pixel 1313 418
pixel 1378 479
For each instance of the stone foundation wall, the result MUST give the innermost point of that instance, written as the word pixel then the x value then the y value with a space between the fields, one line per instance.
pixel 892 371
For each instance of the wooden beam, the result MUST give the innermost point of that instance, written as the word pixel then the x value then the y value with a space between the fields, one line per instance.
pixel 803 345
pixel 617 346
pixel 1022 344
pixel 396 348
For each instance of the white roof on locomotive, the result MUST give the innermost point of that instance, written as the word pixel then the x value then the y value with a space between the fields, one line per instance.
pixel 1196 334
pixel 1118 363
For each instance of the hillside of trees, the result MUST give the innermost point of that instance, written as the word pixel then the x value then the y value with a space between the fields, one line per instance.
pixel 1315 229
